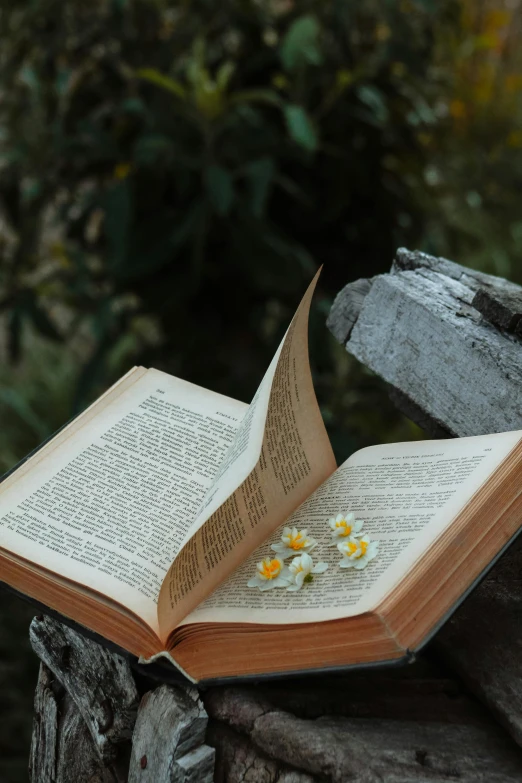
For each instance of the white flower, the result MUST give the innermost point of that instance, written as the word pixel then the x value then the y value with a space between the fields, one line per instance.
pixel 300 569
pixel 294 541
pixel 345 526
pixel 270 573
pixel 357 552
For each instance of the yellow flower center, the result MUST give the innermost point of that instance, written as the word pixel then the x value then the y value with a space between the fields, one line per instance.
pixel 270 568
pixel 347 529
pixel 353 549
pixel 297 542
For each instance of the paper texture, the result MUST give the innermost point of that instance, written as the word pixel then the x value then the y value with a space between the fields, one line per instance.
pixel 282 454
pixel 109 507
pixel 407 494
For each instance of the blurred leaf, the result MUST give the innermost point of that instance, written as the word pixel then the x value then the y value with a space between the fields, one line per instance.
pixel 300 127
pixel 224 75
pixel 260 174
pixel 220 189
pixel 92 373
pixel 151 148
pixel 133 106
pixel 14 333
pixel 41 320
pixel 20 407
pixel 300 45
pixel 116 202
pixel 269 97
pixel 30 189
pixel 373 98
pixel 62 81
pixel 161 80
pixel 156 242
pixel 29 77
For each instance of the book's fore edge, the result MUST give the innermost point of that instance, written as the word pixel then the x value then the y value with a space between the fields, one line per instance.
pixel 156 669
pixel 460 600
pixel 88 633
pixel 252 679
pixel 410 655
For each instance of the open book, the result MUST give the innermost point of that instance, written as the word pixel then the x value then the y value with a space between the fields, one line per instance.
pixel 144 518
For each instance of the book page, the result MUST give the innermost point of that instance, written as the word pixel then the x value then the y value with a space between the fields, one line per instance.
pixel 406 493
pixel 281 454
pixel 110 505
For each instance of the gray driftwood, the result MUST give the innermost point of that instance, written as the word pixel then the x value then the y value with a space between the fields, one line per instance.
pixel 62 749
pixel 100 683
pixel 169 739
pixel 449 342
pixel 418 328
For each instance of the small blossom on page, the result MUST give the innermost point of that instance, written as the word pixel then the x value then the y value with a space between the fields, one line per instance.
pixel 344 526
pixel 294 541
pixel 357 552
pixel 270 573
pixel 301 569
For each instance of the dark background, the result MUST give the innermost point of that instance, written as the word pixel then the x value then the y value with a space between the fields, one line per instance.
pixel 172 174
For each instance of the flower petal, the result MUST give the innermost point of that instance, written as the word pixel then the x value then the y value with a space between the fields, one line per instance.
pixel 320 568
pixel 268 585
pixel 300 578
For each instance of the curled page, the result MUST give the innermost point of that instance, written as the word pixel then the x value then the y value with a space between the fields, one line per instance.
pixel 280 454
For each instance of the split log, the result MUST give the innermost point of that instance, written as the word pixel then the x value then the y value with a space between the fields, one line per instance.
pixel 417 328
pixel 100 683
pixel 454 369
pixel 168 745
pixel 62 749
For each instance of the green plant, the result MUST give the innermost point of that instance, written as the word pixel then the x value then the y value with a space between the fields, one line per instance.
pixel 177 171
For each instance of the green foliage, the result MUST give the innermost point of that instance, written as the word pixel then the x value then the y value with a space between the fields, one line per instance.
pixel 172 174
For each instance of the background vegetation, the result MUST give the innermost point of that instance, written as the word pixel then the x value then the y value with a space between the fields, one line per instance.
pixel 171 175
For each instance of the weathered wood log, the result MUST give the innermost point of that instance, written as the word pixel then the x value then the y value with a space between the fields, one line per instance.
pixel 62 749
pixel 341 749
pixel 168 745
pixel 100 683
pixel 85 716
pixel 238 760
pixel 418 329
pixel 453 370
